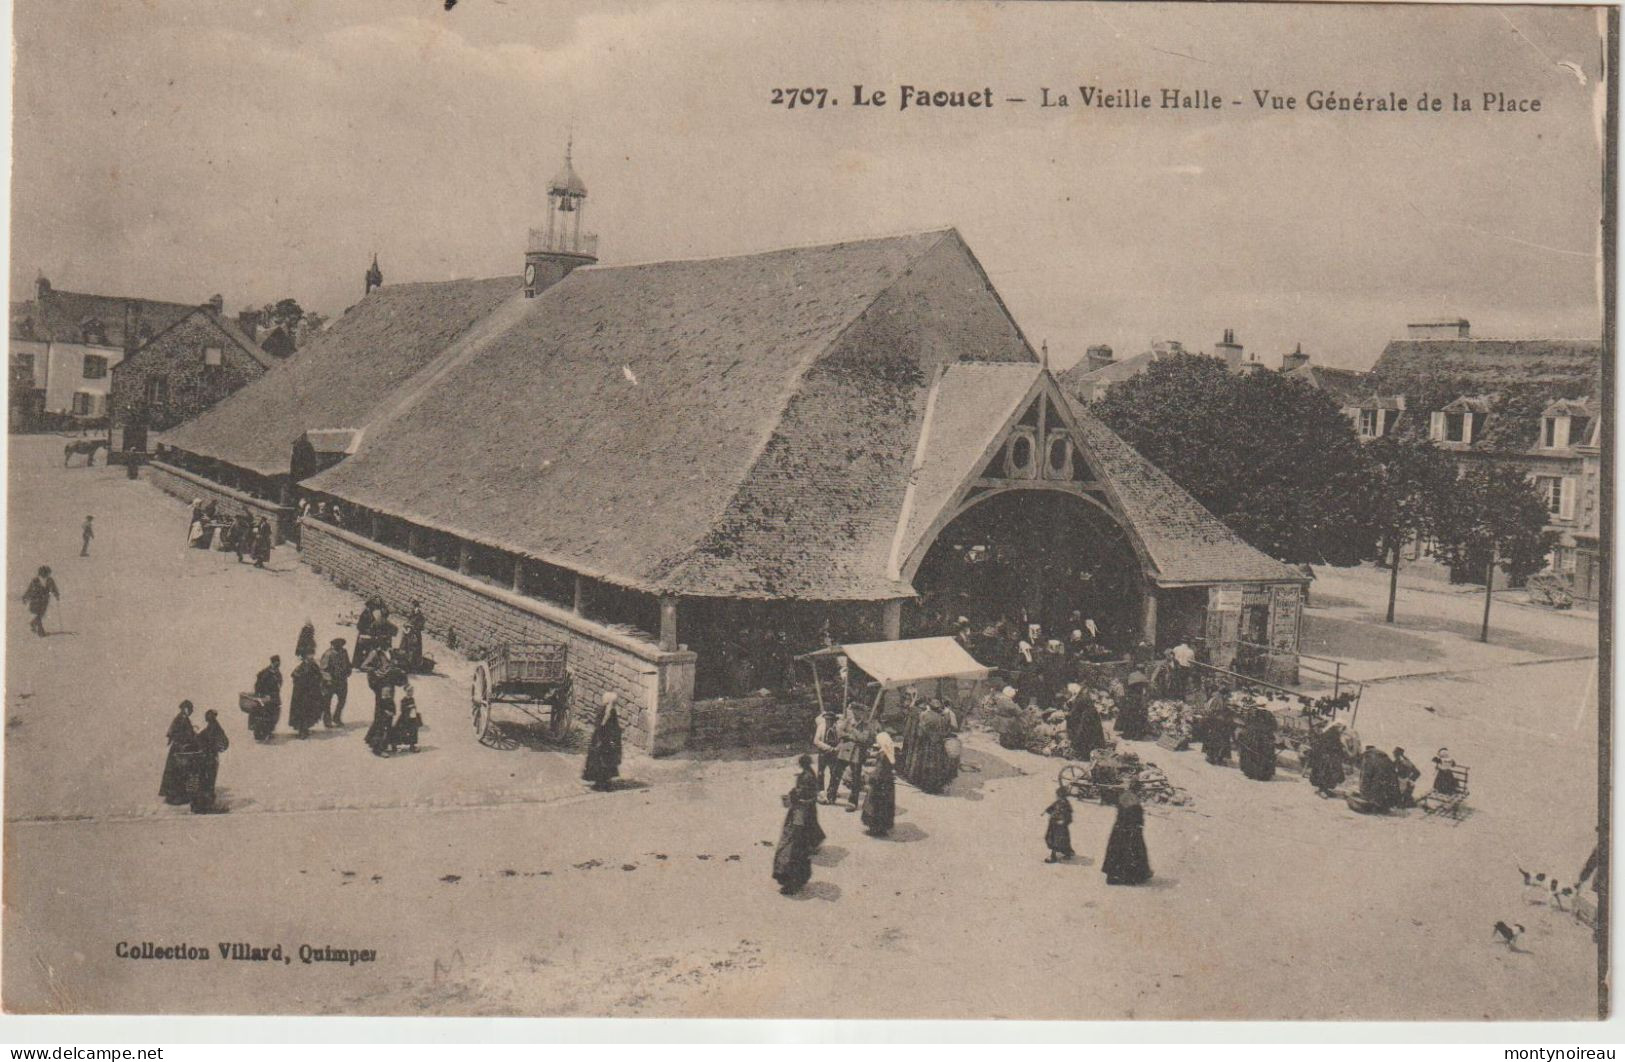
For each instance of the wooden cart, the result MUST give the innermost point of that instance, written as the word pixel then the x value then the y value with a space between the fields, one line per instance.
pixel 528 677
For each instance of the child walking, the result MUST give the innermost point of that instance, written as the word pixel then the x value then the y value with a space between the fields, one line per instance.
pixel 1058 836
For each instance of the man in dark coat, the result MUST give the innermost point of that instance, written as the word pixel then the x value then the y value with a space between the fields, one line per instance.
pixel 211 742
pixel 268 688
pixel 309 696
pixel 373 616
pixel 335 664
pixel 412 643
pixel 1379 784
pixel 1406 775
pixel 176 784
pixel 849 757
pixel 38 598
pixel 603 764
pixel 1058 834
pixel 242 536
pixel 262 543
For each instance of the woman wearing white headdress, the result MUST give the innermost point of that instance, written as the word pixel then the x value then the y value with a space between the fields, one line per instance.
pixel 880 792
pixel 604 749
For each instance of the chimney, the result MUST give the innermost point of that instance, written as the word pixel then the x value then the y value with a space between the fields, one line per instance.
pixel 42 287
pixel 1098 357
pixel 217 303
pixel 1295 359
pixel 1230 350
pixel 249 322
pixel 1454 328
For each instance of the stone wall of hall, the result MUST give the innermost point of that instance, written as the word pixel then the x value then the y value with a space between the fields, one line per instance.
pixel 656 687
pixel 777 718
pixel 187 485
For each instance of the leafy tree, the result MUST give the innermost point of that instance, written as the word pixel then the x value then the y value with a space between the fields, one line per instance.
pixel 1494 518
pixel 284 312
pixel 1411 480
pixel 1271 456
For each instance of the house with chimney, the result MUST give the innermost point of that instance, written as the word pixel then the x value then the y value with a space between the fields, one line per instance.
pixel 1528 403
pixel 182 370
pixel 65 345
pixel 1091 378
pixel 689 472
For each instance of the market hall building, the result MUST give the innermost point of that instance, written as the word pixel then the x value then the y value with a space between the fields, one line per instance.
pixel 690 471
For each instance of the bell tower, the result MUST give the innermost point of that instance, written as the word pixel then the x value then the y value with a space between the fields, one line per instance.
pixel 560 245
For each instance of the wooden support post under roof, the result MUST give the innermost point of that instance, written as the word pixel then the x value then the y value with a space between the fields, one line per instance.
pixel 465 558
pixel 579 604
pixel 414 541
pixel 373 525
pixel 1148 624
pixel 892 619
pixel 519 575
pixel 668 623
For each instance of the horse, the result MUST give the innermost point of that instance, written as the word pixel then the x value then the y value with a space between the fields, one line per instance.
pixel 88 447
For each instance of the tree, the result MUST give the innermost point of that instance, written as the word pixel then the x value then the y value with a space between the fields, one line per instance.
pixel 1271 456
pixel 1494 518
pixel 284 312
pixel 1411 480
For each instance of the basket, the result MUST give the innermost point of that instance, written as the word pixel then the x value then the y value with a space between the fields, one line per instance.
pixel 249 702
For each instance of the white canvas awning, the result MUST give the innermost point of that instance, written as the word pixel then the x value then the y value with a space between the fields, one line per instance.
pixel 895 664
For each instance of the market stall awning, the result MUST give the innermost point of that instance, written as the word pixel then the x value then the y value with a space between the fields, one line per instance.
pixel 894 664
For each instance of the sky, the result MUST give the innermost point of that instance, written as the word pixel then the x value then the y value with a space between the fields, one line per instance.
pixel 259 149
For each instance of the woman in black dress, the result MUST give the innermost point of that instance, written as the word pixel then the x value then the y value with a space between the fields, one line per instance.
pixel 604 749
pixel 1326 760
pixel 880 789
pixel 383 719
pixel 1133 722
pixel 306 645
pixel 1258 745
pixel 176 784
pixel 800 836
pixel 1127 862
pixel 1083 727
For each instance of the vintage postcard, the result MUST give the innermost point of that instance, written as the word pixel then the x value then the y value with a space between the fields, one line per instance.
pixel 766 510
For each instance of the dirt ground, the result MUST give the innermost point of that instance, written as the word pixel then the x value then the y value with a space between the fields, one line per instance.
pixel 492 882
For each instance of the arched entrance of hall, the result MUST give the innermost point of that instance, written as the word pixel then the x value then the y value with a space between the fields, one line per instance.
pixel 1026 556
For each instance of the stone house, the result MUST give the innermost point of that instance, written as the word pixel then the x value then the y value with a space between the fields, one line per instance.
pixel 185 368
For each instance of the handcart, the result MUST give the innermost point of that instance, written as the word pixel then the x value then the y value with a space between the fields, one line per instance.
pixel 527 677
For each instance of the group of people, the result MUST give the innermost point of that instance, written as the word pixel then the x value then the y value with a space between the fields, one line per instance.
pixel 193 762
pixel 239 534
pixel 1127 862
pixel 1038 667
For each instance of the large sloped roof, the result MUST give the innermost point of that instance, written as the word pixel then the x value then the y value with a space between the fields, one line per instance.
pixel 225 326
pixel 1487 363
pixel 1080 381
pixel 1186 543
pixel 688 426
pixel 344 374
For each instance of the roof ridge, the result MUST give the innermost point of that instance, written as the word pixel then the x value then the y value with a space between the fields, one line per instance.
pixel 765 251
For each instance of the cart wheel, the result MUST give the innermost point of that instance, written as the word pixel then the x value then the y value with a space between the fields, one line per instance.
pixel 480 695
pixel 1071 775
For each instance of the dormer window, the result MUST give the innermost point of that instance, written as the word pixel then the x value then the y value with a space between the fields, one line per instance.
pixel 1370 423
pixel 1459 422
pixel 95 367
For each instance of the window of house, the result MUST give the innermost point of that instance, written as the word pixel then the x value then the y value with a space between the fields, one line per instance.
pixel 24 364
pixel 157 390
pixel 1369 421
pixel 212 357
pixel 1548 433
pixel 1455 427
pixel 1579 428
pixel 95 367
pixel 84 403
pixel 1551 489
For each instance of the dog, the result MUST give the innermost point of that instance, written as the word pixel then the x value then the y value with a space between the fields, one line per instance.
pixel 1535 889
pixel 1508 935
